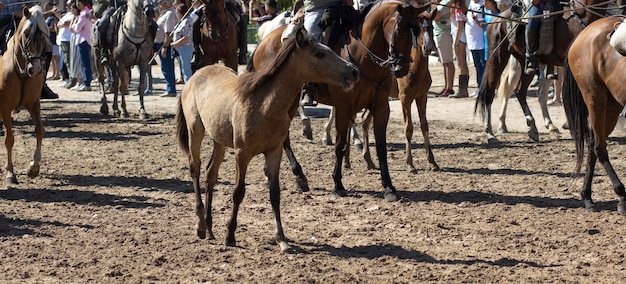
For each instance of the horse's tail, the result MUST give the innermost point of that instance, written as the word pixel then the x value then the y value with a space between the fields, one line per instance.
pixel 576 112
pixel 483 99
pixel 181 128
pixel 250 65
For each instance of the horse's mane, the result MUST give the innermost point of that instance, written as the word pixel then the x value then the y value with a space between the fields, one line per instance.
pixel 36 18
pixel 251 81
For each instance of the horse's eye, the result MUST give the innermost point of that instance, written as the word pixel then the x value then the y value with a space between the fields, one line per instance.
pixel 319 54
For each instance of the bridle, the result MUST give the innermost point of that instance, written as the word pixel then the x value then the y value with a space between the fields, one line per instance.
pixel 36 36
pixel 393 58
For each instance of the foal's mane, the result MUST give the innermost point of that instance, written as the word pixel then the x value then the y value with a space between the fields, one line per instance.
pixel 250 81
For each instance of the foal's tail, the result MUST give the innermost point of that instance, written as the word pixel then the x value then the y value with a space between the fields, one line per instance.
pixel 181 128
pixel 576 112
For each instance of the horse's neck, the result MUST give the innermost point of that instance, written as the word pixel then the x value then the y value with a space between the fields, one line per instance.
pixel 135 22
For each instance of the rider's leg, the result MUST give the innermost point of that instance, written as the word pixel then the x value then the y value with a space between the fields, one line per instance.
pixel 532 40
pixel 311 21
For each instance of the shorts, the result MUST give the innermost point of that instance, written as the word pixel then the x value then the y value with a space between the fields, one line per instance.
pixel 444 47
pixel 55 50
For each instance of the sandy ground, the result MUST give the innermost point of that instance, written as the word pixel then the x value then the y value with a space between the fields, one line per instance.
pixel 113 204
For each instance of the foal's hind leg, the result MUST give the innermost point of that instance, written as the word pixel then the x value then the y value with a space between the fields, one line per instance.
pixel 420 102
pixel 301 181
pixel 211 179
pixel 9 139
pixel 125 79
pixel 307 132
pixel 242 160
pixel 143 69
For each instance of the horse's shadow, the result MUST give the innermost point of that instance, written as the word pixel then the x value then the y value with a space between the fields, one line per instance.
pixel 147 184
pixel 377 251
pixel 19 227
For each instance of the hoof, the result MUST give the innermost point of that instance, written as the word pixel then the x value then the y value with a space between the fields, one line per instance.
pixel 327 142
pixel 125 115
pixel 358 144
pixel 534 135
pixel 285 248
pixel 412 170
pixel 621 207
pixel 492 141
pixel 230 243
pixel 590 207
pixel 201 234
pixel 12 180
pixel 33 170
pixel 143 116
pixel 302 184
pixel 340 193
pixel 502 130
pixel 117 113
pixel 391 196
pixel 553 129
pixel 104 110
pixel 435 168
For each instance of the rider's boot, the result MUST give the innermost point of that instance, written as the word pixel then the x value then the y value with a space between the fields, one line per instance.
pixel 308 95
pixel 196 58
pixel 242 39
pixel 532 45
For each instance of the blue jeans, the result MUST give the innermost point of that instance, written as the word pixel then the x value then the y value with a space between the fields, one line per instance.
pixel 311 20
pixel 478 55
pixel 184 54
pixel 167 67
pixel 84 55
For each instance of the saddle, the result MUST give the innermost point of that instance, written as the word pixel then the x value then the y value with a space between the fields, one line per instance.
pixel 617 38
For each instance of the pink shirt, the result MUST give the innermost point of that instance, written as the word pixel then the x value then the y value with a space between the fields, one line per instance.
pixel 83 26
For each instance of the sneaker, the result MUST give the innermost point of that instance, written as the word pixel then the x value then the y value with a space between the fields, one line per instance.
pixel 474 94
pixel 70 85
pixel 165 95
pixel 64 83
pixel 147 92
pixel 84 88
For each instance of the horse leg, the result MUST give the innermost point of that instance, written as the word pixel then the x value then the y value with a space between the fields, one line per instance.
pixel 301 181
pixel 116 90
pixel 602 126
pixel 585 193
pixel 241 159
pixel 272 160
pixel 35 114
pixel 9 140
pixel 381 118
pixel 542 97
pixel 328 140
pixel 508 82
pixel 406 102
pixel 307 131
pixel 367 156
pixel 123 90
pixel 195 143
pixel 357 142
pixel 342 123
pixel 420 103
pixel 211 179
pixel 143 69
pixel 533 133
pixel 104 108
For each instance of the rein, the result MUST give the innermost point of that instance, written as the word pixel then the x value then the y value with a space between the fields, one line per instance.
pixel 392 58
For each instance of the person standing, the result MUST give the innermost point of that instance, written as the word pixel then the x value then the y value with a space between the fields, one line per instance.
pixel 181 40
pixel 51 22
pixel 64 36
pixel 475 36
pixel 444 41
pixel 82 28
pixel 457 25
pixel 166 24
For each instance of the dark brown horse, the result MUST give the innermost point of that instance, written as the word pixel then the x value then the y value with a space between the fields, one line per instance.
pixel 413 88
pixel 21 81
pixel 218 38
pixel 566 27
pixel 594 95
pixel 382 52
pixel 252 114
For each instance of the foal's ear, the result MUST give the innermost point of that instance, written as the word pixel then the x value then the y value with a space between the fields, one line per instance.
pixel 301 37
pixel 26 12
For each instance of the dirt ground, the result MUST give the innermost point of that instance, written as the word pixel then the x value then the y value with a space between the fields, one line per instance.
pixel 113 204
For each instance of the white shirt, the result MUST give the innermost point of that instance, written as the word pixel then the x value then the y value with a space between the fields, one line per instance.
pixel 64 33
pixel 473 31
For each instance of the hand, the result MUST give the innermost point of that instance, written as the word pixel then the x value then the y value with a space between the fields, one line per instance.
pixel 164 51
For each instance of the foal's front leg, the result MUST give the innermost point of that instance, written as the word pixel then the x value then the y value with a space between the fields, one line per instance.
pixel 272 160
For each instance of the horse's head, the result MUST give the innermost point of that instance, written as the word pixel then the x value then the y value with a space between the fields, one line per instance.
pixel 31 40
pixel 400 34
pixel 323 65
